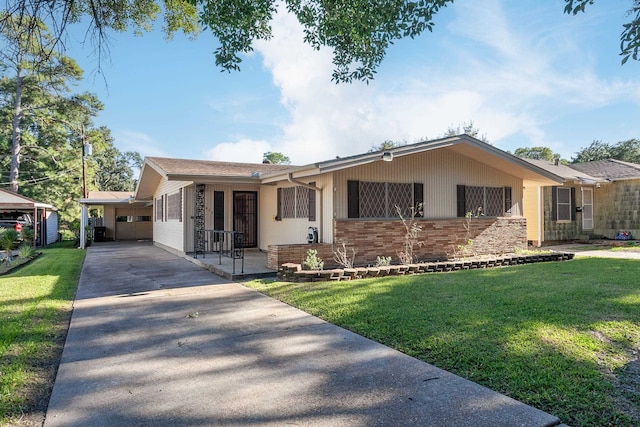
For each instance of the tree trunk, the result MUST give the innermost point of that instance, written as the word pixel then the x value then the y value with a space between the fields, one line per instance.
pixel 16 145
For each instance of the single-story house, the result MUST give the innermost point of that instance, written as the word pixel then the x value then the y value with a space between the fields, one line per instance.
pixel 285 210
pixel 44 215
pixel 115 215
pixel 599 199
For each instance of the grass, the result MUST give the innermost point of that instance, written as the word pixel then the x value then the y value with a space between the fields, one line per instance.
pixel 35 307
pixel 562 337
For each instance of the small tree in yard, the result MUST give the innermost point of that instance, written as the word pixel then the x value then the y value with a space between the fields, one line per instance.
pixel 313 261
pixel 341 256
pixel 411 235
pixel 8 237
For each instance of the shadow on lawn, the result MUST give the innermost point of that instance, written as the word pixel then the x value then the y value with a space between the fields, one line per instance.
pixel 526 331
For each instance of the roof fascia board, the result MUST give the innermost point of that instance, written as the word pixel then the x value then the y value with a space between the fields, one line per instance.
pixel 205 179
pixel 296 173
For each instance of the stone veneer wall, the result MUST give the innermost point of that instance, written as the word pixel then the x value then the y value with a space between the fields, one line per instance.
pixel 373 238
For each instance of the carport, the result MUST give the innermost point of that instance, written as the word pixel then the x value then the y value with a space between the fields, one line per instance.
pixel 119 217
pixel 45 216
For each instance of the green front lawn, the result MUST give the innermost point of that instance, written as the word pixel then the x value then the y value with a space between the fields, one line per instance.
pixel 562 337
pixel 35 307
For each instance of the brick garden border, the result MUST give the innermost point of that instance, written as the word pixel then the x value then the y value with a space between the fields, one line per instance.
pixel 290 272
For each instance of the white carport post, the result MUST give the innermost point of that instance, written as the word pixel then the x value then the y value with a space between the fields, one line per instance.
pixel 84 221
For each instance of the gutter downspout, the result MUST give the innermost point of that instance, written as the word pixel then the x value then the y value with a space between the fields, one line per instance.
pixel 292 180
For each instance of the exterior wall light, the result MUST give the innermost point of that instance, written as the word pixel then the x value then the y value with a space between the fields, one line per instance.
pixel 387 156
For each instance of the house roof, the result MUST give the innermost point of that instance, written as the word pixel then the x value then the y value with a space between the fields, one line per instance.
pixel 156 168
pixel 611 170
pixel 10 200
pixel 568 173
pixel 205 171
pixel 464 145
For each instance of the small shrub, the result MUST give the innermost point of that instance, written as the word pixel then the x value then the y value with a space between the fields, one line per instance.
pixel 411 236
pixel 383 261
pixel 313 261
pixel 341 256
pixel 25 250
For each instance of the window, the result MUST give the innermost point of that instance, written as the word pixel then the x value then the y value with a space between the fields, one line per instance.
pixel 296 202
pixel 379 199
pixel 160 209
pixel 174 206
pixel 483 201
pixel 563 200
pixel 123 218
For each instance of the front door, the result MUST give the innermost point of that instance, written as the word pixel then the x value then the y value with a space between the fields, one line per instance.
pixel 245 216
pixel 587 208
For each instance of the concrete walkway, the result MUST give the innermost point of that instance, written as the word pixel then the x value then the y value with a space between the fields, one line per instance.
pixel 157 341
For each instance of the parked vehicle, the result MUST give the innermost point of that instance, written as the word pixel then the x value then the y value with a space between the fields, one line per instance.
pixel 17 220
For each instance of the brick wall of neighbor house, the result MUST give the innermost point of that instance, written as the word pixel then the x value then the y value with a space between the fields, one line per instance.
pixel 617 208
pixel 373 238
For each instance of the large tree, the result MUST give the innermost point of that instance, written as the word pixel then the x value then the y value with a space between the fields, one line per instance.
pixel 628 151
pixel 359 32
pixel 537 153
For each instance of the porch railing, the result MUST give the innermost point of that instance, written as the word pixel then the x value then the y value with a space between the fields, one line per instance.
pixel 226 243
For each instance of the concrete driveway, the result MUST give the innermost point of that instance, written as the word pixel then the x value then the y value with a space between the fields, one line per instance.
pixel 157 341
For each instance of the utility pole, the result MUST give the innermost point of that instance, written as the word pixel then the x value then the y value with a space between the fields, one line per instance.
pixel 84 168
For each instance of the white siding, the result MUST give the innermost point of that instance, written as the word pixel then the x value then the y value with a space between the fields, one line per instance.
pixel 294 230
pixel 170 233
pixel 440 171
pixel 52 227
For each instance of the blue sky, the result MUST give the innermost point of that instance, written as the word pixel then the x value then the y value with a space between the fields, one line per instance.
pixel 522 71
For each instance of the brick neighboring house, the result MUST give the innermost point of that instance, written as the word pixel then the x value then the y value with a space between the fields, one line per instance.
pixel 350 200
pixel 597 199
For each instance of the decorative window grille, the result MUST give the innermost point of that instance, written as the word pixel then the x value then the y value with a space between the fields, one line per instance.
pixel 379 199
pixel 484 201
pixel 289 202
pixel 160 209
pixel 174 206
pixel 294 202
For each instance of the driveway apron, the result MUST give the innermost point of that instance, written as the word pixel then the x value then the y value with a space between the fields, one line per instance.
pixel 155 340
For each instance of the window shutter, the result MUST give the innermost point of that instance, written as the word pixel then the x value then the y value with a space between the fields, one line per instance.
pixel 418 199
pixel 312 203
pixel 279 206
pixel 507 200
pixel 353 199
pixel 573 203
pixel 554 203
pixel 180 205
pixel 460 198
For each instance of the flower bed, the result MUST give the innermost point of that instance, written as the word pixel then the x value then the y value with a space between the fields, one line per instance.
pixel 291 272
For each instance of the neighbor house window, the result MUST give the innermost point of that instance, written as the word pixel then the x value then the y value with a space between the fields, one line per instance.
pixel 483 201
pixel 174 206
pixel 296 202
pixel 563 201
pixel 379 199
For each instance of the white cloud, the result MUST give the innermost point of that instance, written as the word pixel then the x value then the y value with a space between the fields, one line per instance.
pixel 501 71
pixel 127 140
pixel 244 151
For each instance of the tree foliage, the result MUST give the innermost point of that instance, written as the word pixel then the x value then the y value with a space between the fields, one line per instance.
pixel 276 158
pixel 537 153
pixel 387 145
pixel 628 151
pixel 43 125
pixel 358 32
pixel 630 36
pixel 466 128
